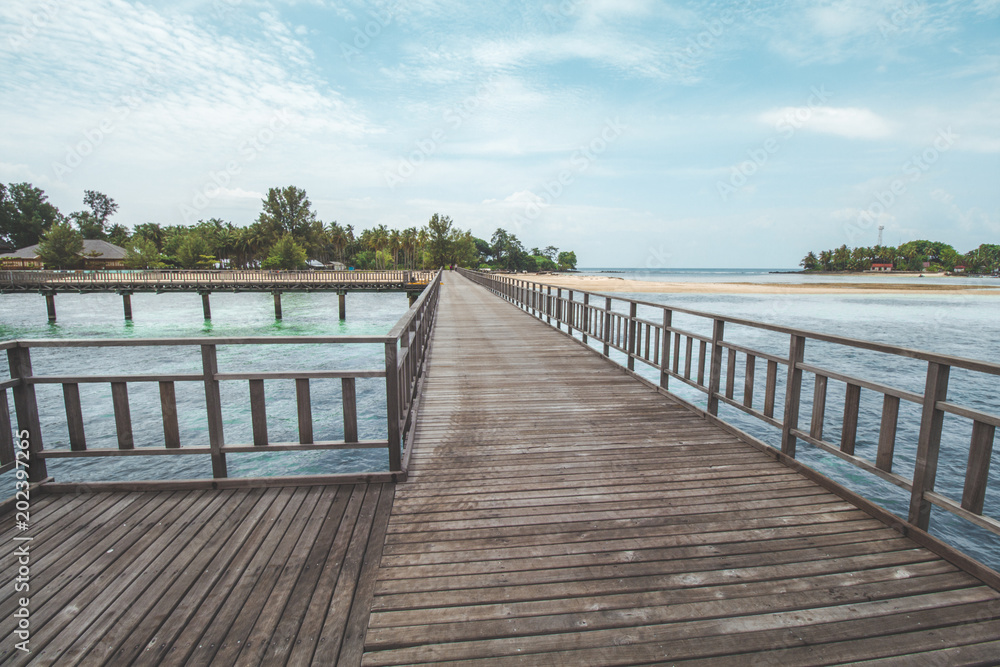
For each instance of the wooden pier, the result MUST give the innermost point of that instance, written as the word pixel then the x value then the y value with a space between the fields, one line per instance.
pixel 205 282
pixel 557 511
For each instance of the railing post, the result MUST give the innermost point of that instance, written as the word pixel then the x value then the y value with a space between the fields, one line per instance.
pixel 570 312
pixel 213 405
pixel 668 321
pixel 633 309
pixel 715 369
pixel 607 326
pixel 548 304
pixel 392 405
pixel 928 444
pixel 793 394
pixel 586 315
pixel 559 308
pixel 26 409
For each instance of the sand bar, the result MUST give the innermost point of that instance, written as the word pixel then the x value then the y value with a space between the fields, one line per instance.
pixel 614 284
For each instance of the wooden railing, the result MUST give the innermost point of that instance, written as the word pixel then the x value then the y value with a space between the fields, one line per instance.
pixel 405 356
pixel 207 280
pixel 709 364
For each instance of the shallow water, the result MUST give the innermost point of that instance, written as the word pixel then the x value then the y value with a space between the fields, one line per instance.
pixel 962 325
pixel 180 315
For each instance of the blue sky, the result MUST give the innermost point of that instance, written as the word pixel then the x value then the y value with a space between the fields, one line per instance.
pixel 638 133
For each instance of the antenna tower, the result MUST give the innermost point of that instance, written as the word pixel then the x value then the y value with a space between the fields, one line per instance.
pixel 880 228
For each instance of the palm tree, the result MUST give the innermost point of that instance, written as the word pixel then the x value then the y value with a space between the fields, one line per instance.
pixel 826 260
pixel 151 231
pixel 339 239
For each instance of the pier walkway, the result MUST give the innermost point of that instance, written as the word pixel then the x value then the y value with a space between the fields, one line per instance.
pixel 559 511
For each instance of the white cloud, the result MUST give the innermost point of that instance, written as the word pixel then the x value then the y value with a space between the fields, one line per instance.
pixel 850 122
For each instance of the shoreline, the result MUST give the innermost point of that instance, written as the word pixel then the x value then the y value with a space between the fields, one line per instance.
pixel 623 285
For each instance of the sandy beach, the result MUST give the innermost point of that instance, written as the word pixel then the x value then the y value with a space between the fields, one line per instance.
pixel 615 284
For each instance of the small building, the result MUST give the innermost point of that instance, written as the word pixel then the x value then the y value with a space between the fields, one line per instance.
pixel 960 269
pixel 881 268
pixel 96 255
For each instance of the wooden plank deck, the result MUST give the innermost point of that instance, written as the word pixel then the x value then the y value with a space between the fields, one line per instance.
pixel 231 577
pixel 559 511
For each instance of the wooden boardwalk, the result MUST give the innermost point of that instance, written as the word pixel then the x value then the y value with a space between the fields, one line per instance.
pixel 231 577
pixel 557 512
pixel 560 512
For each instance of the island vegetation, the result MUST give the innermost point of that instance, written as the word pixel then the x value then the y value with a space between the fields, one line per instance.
pixel 287 234
pixel 929 256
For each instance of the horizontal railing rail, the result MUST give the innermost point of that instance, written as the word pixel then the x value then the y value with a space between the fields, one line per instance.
pixel 206 279
pixel 405 357
pixel 711 365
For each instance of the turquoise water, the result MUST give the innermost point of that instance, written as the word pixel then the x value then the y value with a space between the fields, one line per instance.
pixel 785 275
pixel 180 315
pixel 961 325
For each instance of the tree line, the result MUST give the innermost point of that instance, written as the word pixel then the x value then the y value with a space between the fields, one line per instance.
pixel 286 234
pixel 932 256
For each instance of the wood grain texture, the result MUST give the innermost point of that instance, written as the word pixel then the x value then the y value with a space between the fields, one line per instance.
pixel 221 577
pixel 559 512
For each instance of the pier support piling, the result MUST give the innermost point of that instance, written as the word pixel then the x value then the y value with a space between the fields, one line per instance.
pixel 50 305
pixel 277 305
pixel 342 303
pixel 127 304
pixel 206 305
pixel 413 297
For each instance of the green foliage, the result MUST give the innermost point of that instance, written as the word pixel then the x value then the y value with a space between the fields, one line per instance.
pixel 194 252
pixel 910 256
pixel 286 211
pixel 141 253
pixel 25 215
pixel 439 251
pixel 93 224
pixel 463 249
pixel 88 225
pixel 285 254
pixel 118 235
pixel 810 262
pixel 60 247
pixel 543 263
pixel 101 206
pixel 567 260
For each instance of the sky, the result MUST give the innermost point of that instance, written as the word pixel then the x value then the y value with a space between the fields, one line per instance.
pixel 636 133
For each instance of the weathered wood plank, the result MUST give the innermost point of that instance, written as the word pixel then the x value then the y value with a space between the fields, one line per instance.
pixel 350 407
pixel 852 410
pixel 258 413
pixel 887 433
pixel 74 417
pixel 532 530
pixel 168 412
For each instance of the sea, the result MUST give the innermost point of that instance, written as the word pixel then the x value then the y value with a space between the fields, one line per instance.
pixel 966 325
